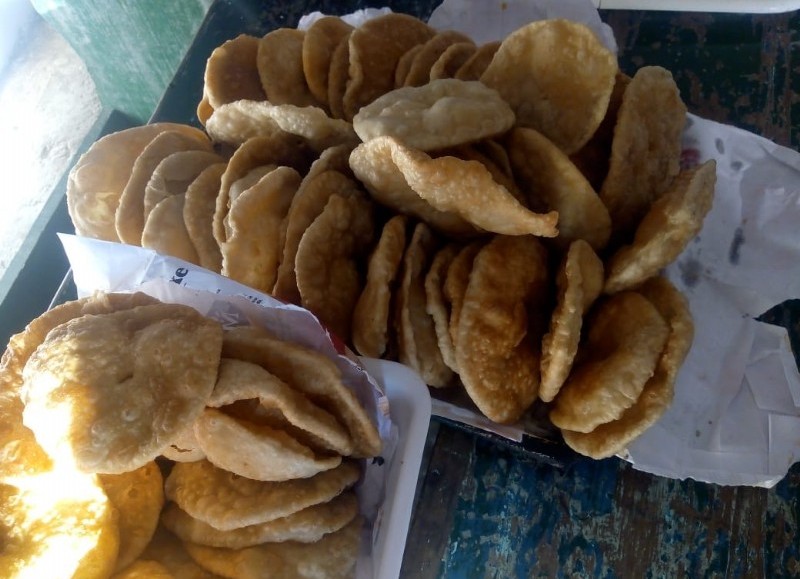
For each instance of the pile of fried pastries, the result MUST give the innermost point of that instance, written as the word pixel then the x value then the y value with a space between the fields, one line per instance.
pixel 494 216
pixel 140 439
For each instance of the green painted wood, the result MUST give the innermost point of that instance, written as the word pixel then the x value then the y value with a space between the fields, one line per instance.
pixel 131 48
pixel 732 68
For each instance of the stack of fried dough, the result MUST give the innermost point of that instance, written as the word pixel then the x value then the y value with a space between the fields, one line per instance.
pixel 496 216
pixel 139 439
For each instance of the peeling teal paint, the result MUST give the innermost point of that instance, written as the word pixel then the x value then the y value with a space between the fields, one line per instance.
pixel 514 517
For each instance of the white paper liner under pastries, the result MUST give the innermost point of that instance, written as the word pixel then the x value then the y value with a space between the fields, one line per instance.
pixel 735 419
pixel 386 491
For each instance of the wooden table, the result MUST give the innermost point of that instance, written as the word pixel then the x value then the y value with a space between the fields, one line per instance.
pixel 484 510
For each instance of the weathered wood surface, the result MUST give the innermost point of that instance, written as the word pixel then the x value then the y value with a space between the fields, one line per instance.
pixel 489 512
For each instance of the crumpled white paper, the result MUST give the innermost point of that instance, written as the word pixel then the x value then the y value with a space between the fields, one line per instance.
pixel 735 419
pixel 736 415
pixel 495 19
pixel 114 267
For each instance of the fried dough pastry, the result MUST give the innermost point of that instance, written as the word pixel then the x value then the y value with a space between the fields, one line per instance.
pixel 579 281
pixel 613 437
pixel 625 339
pixel 109 392
pixel 498 346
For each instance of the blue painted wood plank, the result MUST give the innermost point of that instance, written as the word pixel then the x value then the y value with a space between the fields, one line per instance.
pixel 517 517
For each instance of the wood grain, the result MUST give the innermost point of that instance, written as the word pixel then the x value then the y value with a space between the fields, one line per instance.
pixel 489 512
